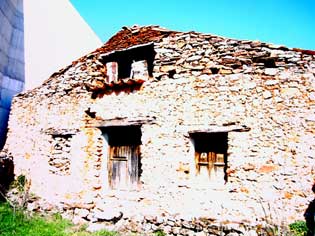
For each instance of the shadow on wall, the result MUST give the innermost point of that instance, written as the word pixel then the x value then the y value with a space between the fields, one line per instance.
pixel 6 173
pixel 309 216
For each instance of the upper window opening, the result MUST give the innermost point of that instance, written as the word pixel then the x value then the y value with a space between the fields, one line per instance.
pixel 130 63
pixel 123 135
pixel 139 70
pixel 211 155
pixel 112 71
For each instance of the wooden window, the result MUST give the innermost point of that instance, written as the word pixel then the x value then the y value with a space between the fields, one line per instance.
pixel 112 71
pixel 134 63
pixel 211 155
pixel 139 70
pixel 124 165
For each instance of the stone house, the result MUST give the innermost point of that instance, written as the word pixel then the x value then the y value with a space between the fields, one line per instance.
pixel 178 125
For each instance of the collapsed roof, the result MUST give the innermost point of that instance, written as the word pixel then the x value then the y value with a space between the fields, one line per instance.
pixel 225 56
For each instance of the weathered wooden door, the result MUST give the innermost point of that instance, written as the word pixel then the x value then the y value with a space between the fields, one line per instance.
pixel 124 163
pixel 124 166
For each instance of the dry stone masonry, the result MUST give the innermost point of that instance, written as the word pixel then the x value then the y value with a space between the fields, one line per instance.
pixel 203 135
pixel 60 159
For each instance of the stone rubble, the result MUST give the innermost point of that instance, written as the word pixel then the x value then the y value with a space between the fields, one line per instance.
pixel 60 161
pixel 261 94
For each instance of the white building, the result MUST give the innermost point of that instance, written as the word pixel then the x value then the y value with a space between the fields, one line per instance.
pixel 37 38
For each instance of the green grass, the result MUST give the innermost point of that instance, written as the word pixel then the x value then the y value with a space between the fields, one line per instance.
pixel 16 223
pixel 299 228
pixel 159 233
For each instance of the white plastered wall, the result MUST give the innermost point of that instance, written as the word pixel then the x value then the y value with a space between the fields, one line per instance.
pixel 55 35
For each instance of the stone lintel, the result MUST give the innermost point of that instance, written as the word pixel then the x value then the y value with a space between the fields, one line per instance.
pixel 52 131
pixel 216 129
pixel 122 121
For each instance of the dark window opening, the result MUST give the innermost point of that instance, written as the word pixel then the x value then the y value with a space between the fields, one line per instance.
pixel 211 154
pixel 268 62
pixel 112 71
pixel 214 70
pixel 124 166
pixel 171 74
pixel 125 58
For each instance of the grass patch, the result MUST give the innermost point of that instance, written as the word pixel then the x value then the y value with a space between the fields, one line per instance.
pixel 159 232
pixel 298 228
pixel 16 223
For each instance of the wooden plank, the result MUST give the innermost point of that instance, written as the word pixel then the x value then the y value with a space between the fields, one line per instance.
pixel 124 166
pixel 119 174
pixel 134 164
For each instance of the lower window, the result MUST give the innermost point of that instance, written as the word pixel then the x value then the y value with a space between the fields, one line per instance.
pixel 211 155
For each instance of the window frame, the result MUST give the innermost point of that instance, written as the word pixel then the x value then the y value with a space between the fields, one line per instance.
pixel 215 146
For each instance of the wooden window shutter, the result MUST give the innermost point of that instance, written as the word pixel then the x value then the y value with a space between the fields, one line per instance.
pixel 112 71
pixel 139 70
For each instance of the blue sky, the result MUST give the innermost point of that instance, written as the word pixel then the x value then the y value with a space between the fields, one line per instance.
pixel 284 22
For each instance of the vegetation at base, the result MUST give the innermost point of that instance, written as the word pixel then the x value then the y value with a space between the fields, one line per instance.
pixel 14 222
pixel 19 183
pixel 299 228
pixel 159 232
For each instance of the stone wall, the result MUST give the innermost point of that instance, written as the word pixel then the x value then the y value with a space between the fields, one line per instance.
pixel 11 58
pixel 60 159
pixel 261 95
